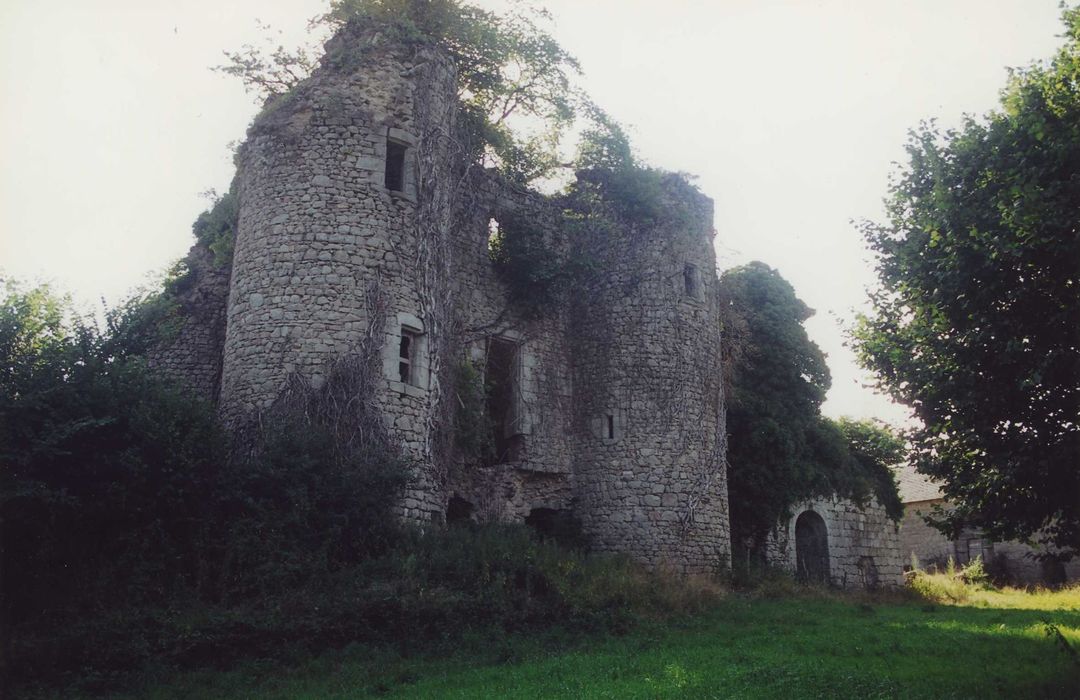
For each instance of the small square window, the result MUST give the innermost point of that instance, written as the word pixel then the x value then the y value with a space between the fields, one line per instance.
pixel 395 166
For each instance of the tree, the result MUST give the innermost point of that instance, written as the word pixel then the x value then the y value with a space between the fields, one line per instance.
pixel 780 449
pixel 976 324
pixel 106 469
pixel 515 82
pixel 875 448
pixel 117 487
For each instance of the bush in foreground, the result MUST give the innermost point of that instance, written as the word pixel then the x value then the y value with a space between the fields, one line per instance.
pixel 428 589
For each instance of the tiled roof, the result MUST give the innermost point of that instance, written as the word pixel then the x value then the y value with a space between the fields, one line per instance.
pixel 914 486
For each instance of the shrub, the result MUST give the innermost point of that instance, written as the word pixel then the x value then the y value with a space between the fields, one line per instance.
pixel 939 588
pixel 107 470
pixel 427 588
pixel 975 574
pixel 298 511
pixel 953 585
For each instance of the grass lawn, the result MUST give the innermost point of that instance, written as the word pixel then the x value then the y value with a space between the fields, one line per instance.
pixel 814 645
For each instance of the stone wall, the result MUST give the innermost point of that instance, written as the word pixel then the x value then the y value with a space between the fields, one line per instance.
pixel 930 547
pixel 540 473
pixel 1013 562
pixel 650 477
pixel 193 355
pixel 328 258
pixel 618 411
pixel 863 543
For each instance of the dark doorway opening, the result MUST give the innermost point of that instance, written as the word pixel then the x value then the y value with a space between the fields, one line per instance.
pixel 501 387
pixel 395 165
pixel 811 549
pixel 458 511
pixel 558 525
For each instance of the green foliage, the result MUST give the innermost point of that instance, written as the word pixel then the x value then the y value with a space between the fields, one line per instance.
pixel 428 587
pixel 613 183
pixel 215 229
pixel 774 426
pixel 945 588
pixel 509 70
pixel 974 573
pixel 268 73
pixel 954 585
pixel 300 511
pixel 604 144
pixel 104 464
pixel 153 317
pixel 874 449
pixel 117 490
pixel 780 449
pixel 536 275
pixel 472 424
pixel 976 322
pixel 150 317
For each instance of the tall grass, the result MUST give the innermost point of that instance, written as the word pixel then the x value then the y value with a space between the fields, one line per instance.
pixel 428 588
pixel 970 585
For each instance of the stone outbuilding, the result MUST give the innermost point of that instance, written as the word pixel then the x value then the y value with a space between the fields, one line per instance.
pixel 840 543
pixel 925 546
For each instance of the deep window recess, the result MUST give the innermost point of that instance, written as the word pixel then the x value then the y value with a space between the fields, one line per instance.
pixel 407 356
pixel 395 166
pixel 610 427
pixel 494 233
pixel 501 386
pixel 690 280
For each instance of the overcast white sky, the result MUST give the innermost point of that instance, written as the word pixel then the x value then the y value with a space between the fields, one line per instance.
pixel 791 112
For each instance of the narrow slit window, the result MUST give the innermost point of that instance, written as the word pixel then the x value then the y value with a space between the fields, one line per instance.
pixel 494 234
pixel 610 427
pixel 395 166
pixel 690 280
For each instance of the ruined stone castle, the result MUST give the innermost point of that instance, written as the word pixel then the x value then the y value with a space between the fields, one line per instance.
pixel 365 230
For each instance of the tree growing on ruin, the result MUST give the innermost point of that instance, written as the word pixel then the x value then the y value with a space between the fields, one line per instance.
pixel 976 324
pixel 780 448
pixel 516 84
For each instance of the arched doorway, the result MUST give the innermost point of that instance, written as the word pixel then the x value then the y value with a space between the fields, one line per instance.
pixel 811 548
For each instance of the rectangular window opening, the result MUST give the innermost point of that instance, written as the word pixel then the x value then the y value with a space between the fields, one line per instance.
pixel 690 280
pixel 503 393
pixel 395 166
pixel 407 356
pixel 611 427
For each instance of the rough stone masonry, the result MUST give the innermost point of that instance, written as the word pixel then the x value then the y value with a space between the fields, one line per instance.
pixel 365 227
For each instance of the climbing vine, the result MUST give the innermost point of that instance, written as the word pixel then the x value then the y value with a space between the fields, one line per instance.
pixel 536 274
pixel 473 428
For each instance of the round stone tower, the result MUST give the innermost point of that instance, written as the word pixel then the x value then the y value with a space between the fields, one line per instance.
pixel 342 189
pixel 650 477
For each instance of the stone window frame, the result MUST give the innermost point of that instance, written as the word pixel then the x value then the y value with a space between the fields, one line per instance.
pixel 407 355
pixel 692 283
pixel 527 365
pixel 420 362
pixel 962 548
pixel 400 137
pixel 610 426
